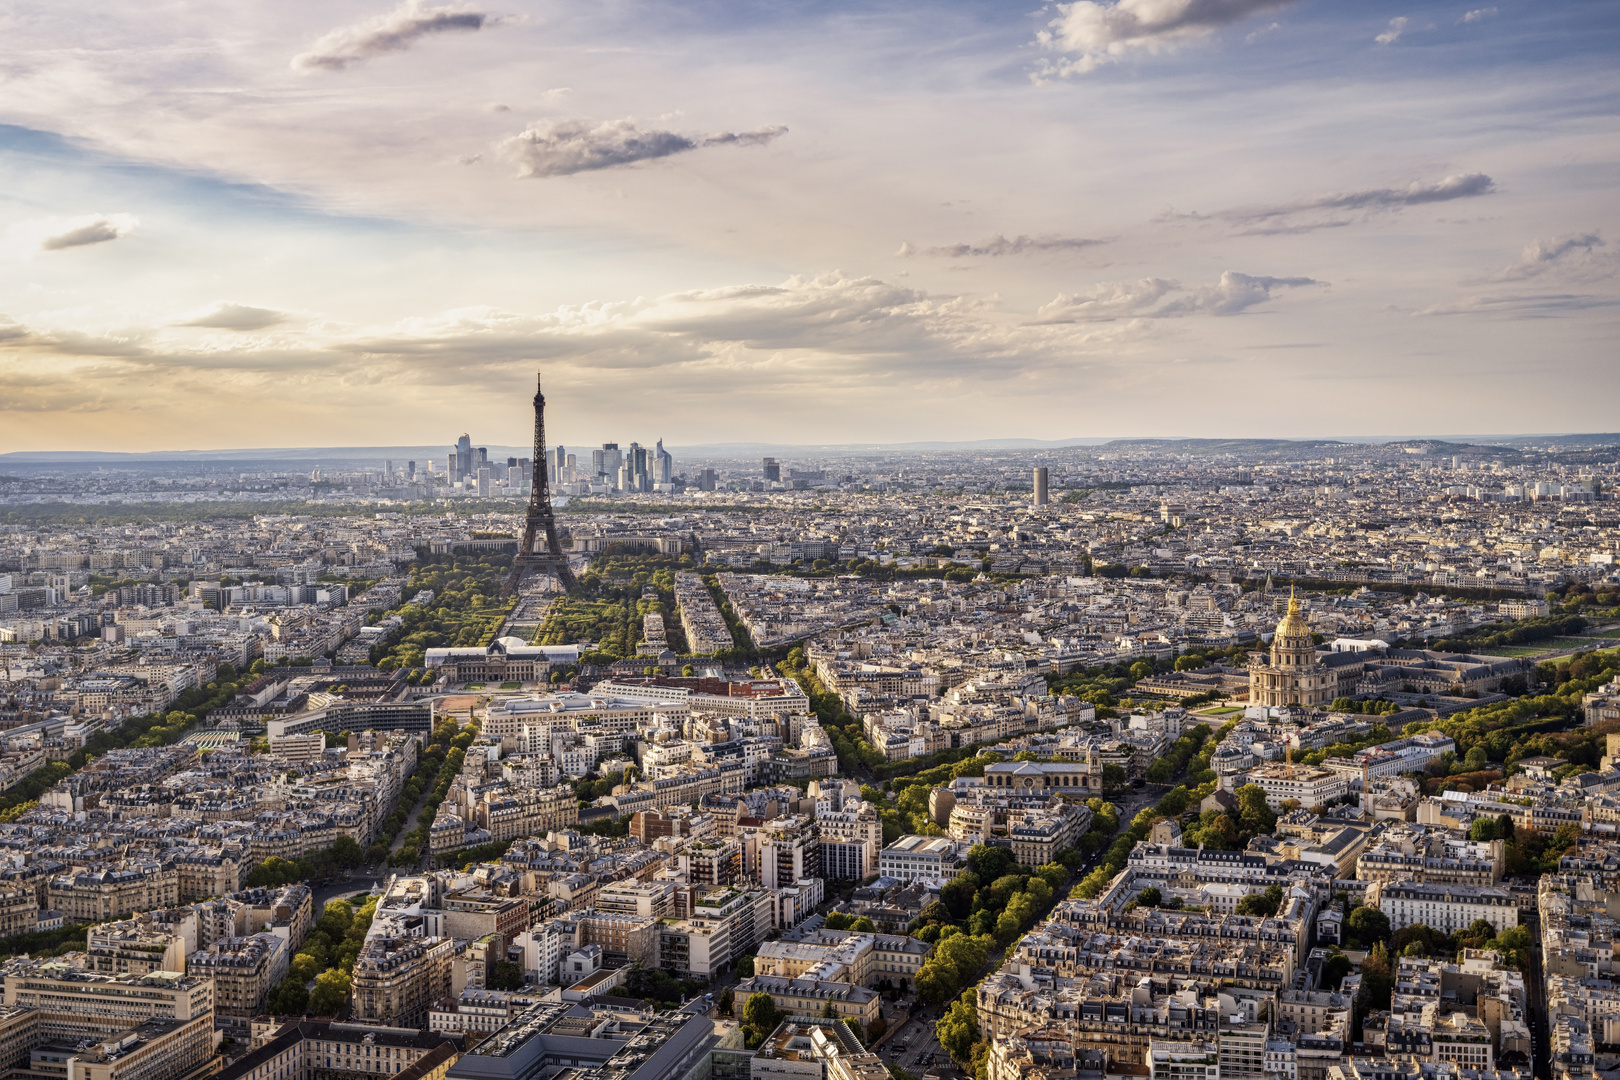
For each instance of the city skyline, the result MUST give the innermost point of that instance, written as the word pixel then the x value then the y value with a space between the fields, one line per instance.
pixel 728 223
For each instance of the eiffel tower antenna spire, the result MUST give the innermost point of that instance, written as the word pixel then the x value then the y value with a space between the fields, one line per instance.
pixel 540 553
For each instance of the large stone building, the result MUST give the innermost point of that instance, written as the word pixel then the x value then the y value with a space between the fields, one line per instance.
pixel 1292 675
pixel 397 980
pixel 1080 778
pixel 244 970
pixel 86 1005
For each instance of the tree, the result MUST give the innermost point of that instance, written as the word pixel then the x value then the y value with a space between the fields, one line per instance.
pixel 958 1028
pixel 1114 777
pixel 1377 979
pixel 331 993
pixel 289 998
pixel 1368 924
pixel 1254 816
pixel 863 925
pixel 507 976
pixel 957 896
pixel 838 921
pixel 346 852
pixel 726 998
pixel 336 918
pixel 876 1029
pixel 304 968
pixel 1149 897
pixel 1054 874
pixel 273 872
pixel 990 863
pixel 760 1013
pixel 1265 903
pixel 1334 969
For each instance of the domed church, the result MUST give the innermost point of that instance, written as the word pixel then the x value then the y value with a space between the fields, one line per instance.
pixel 1293 675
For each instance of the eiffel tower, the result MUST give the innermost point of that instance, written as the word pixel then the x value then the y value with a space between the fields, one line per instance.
pixel 540 552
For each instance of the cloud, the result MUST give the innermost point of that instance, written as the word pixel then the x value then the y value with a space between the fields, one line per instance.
pixel 1234 293
pixel 394 32
pixel 1544 255
pixel 565 147
pixel 17 337
pixel 1525 305
pixel 228 316
pixel 1326 211
pixel 1108 300
pixel 1100 32
pixel 96 229
pixel 1479 15
pixel 1397 26
pixel 998 245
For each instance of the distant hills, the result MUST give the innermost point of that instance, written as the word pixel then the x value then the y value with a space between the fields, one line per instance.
pixel 311 456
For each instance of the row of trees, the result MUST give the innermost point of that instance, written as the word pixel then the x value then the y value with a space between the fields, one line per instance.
pixel 988 904
pixel 154 729
pixel 1518 632
pixel 1181 752
pixel 1197 784
pixel 321 971
pixel 343 854
pixel 451 741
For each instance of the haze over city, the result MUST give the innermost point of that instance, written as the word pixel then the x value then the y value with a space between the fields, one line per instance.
pixel 228 225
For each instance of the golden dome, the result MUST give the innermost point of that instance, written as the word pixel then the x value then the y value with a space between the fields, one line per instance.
pixel 1293 624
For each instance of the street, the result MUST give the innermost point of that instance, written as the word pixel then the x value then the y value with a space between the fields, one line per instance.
pixel 338 887
pixel 914 1044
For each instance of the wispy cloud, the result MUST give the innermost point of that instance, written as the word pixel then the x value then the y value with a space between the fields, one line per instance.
pixel 565 147
pixel 1541 256
pixel 1093 33
pixel 394 32
pixel 1328 211
pixel 228 316
pixel 1479 15
pixel 1392 33
pixel 1523 305
pixel 1147 298
pixel 998 245
pixel 94 229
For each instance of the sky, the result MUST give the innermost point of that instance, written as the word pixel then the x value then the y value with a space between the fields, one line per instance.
pixel 359 222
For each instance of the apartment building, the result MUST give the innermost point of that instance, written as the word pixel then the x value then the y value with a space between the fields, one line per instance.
pixel 244 970
pixel 398 979
pixel 91 1005
pixel 808 1000
pixel 1447 908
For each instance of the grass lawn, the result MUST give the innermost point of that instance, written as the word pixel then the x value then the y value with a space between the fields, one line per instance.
pixel 511 686
pixel 1227 711
pixel 474 686
pixel 1518 650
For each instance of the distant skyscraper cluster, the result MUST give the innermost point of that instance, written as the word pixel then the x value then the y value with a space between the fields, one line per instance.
pixel 470 467
pixel 634 468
